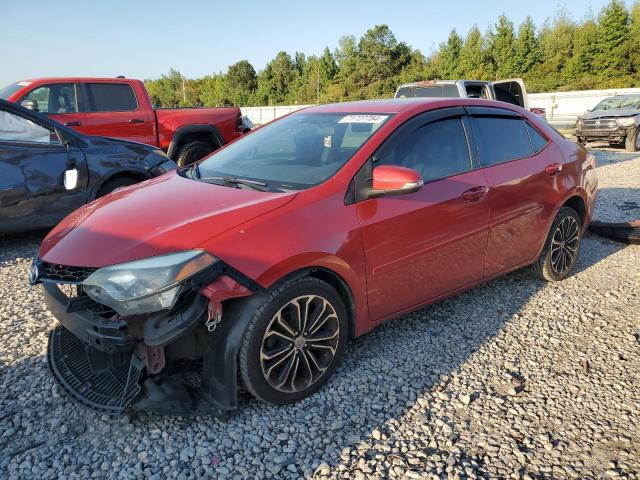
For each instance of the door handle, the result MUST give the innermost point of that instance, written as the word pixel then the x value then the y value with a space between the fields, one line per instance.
pixel 136 120
pixel 72 124
pixel 475 194
pixel 553 168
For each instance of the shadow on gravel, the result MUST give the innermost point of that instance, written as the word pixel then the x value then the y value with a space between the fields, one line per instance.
pixel 12 247
pixel 382 375
pixel 617 204
pixel 609 156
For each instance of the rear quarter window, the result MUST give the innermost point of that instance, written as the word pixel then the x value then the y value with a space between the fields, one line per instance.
pixel 538 142
pixel 501 139
pixel 111 97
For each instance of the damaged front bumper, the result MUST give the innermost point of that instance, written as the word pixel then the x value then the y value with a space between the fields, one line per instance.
pixel 111 363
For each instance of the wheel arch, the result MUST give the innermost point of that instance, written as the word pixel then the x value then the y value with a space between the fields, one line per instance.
pixel 576 202
pixel 332 278
pixel 203 132
pixel 137 174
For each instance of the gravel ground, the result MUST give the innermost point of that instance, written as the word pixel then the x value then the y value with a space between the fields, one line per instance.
pixel 515 379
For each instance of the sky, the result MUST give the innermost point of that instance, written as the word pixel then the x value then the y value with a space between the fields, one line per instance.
pixel 143 38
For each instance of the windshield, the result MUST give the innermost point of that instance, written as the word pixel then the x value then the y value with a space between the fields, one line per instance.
pixel 295 152
pixel 443 90
pixel 9 90
pixel 619 103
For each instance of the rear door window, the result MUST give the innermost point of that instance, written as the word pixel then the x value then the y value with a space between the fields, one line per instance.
pixel 501 139
pixel 55 98
pixel 111 97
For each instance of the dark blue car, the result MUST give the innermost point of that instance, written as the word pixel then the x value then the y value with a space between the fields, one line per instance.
pixel 48 170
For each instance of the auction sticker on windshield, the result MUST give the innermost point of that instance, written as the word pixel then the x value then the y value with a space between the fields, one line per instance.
pixel 363 119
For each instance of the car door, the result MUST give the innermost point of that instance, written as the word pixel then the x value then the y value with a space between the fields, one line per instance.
pixel 112 110
pixel 511 91
pixel 42 177
pixel 59 101
pixel 422 245
pixel 524 171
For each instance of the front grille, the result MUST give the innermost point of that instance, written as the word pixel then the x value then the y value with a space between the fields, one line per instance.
pixel 600 124
pixel 106 382
pixel 62 273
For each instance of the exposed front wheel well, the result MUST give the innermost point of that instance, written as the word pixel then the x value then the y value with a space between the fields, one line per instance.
pixel 336 281
pixel 118 180
pixel 578 205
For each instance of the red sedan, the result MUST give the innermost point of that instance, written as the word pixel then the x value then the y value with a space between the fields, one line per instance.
pixel 259 263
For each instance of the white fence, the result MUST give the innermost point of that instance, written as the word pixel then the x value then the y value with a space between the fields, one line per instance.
pixel 562 107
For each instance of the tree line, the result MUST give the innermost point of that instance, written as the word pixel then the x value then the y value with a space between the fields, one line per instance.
pixel 600 51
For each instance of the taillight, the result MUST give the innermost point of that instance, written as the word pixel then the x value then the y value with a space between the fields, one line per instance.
pixel 240 126
pixel 590 160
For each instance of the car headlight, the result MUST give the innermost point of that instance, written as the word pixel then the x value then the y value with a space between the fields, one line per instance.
pixel 146 285
pixel 627 122
pixel 580 123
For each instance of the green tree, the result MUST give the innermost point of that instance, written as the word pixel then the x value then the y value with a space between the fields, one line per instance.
pixel 448 60
pixel 275 79
pixel 474 62
pixel 502 47
pixel 170 90
pixel 242 83
pixel 556 44
pixel 526 49
pixel 633 43
pixel 613 32
pixel 579 70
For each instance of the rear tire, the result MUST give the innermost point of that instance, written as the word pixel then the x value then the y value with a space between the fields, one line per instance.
pixel 192 152
pixel 561 248
pixel 632 142
pixel 115 183
pixel 285 357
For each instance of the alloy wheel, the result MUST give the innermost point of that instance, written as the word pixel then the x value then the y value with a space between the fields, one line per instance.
pixel 299 343
pixel 564 245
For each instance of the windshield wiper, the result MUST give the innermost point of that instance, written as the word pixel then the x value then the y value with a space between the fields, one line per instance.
pixel 260 186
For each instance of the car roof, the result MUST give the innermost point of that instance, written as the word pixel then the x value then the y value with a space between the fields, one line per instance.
pixel 397 105
pixel 76 79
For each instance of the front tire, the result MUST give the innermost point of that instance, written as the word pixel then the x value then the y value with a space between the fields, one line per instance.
pixel 561 248
pixel 632 142
pixel 294 341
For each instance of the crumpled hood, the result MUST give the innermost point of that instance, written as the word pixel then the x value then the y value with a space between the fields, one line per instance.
pixel 610 113
pixel 163 215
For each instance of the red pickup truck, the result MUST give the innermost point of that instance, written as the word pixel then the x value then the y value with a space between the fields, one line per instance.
pixel 121 108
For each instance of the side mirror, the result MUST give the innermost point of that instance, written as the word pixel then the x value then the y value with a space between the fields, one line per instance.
pixel 394 180
pixel 30 104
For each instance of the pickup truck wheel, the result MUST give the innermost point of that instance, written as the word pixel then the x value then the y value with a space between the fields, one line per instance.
pixel 111 185
pixel 632 142
pixel 191 152
pixel 561 247
pixel 294 341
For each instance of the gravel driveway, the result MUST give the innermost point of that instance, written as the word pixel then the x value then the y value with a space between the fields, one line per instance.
pixel 515 379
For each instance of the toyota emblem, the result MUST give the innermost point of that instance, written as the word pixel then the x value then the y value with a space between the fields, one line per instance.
pixel 33 274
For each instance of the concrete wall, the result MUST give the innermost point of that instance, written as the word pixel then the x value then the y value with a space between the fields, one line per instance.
pixel 562 107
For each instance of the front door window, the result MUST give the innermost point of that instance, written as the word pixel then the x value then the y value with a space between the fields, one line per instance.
pixel 54 99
